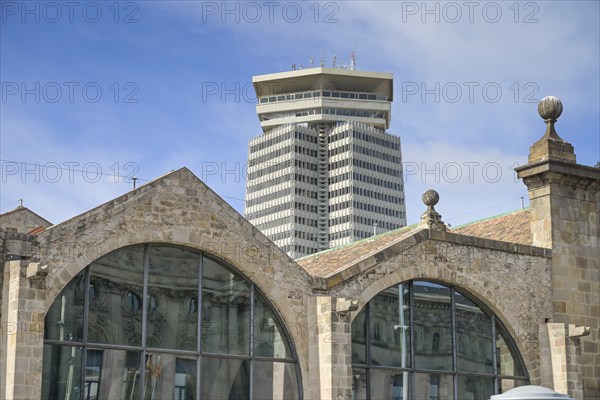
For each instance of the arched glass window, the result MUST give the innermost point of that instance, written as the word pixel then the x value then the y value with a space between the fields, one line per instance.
pixel 160 322
pixel 424 341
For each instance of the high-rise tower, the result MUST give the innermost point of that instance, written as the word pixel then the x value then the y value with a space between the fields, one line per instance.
pixel 324 172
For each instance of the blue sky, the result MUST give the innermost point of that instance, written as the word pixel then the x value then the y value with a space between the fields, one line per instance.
pixel 128 88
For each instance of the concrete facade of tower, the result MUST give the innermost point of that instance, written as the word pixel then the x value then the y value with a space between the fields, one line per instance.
pixel 325 171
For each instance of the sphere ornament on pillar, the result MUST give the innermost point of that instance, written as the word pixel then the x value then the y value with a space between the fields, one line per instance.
pixel 550 108
pixel 431 219
pixel 431 197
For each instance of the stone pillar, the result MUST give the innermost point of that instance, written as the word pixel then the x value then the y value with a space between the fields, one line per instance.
pixel 565 216
pixel 22 330
pixel 561 358
pixel 330 348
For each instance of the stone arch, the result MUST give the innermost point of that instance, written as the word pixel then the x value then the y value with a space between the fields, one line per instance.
pixel 488 289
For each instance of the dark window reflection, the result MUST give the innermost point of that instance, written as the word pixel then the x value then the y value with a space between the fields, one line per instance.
pixel 115 315
pixel 452 340
pixel 225 379
pixel 170 302
pixel 432 318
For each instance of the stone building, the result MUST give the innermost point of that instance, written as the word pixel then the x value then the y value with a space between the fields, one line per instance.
pixel 167 292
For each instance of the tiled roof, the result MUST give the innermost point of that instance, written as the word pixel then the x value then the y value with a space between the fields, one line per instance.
pixel 330 262
pixel 512 227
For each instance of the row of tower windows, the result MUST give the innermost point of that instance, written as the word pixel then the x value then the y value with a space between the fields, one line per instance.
pixel 370 221
pixel 267 211
pixel 345 112
pixel 376 181
pixel 305 221
pixel 305 207
pixel 339 220
pixel 269 197
pixel 339 164
pixel 255 187
pixel 339 192
pixel 311 94
pixel 305 150
pixel 274 138
pixel 280 235
pixel 304 235
pixel 375 153
pixel 338 150
pixel 340 235
pixel 269 156
pixel 298 249
pixel 338 136
pixel 305 192
pixel 377 195
pixel 377 209
pixel 306 137
pixel 339 206
pixel 280 166
pixel 375 167
pixel 369 138
pixel 305 178
pixel 274 223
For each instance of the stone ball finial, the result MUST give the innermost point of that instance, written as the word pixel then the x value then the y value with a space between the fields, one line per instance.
pixel 550 108
pixel 430 197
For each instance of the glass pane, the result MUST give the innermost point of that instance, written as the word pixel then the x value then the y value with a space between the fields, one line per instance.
pixel 269 339
pixel 507 384
pixel 172 298
pixel 473 337
pixel 389 328
pixel 359 384
pixel 390 385
pixel 116 287
pixel 61 376
pixel 274 380
pixel 433 326
pixel 224 379
pixel 475 388
pixel 435 387
pixel 185 379
pixel 64 320
pixel 160 376
pixel 225 310
pixel 508 362
pixel 359 341
pixel 112 374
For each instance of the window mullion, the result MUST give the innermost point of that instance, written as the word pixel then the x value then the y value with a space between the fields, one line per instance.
pixel 199 327
pixel 86 308
pixel 453 328
pixel 494 355
pixel 251 340
pixel 411 316
pixel 368 347
pixel 144 321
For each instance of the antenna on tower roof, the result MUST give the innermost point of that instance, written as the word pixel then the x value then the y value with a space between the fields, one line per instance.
pixel 312 62
pixel 352 61
pixel 293 67
pixel 334 61
pixel 322 60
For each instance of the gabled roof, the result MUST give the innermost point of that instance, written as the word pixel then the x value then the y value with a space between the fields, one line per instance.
pixel 512 227
pixel 24 220
pixel 332 261
pixel 507 232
